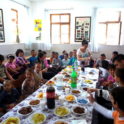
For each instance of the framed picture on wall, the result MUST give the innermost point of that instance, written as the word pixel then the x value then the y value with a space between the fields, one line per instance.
pixel 2 37
pixel 82 28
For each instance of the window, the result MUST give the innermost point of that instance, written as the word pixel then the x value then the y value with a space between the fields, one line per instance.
pixel 14 17
pixel 109 27
pixel 60 28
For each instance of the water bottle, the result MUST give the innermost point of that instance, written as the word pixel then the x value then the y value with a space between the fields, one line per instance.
pixel 59 82
pixel 76 65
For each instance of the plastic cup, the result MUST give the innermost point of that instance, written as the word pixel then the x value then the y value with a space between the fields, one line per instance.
pixel 43 103
pixel 67 90
pixel 61 100
pixel 78 86
pixel 51 66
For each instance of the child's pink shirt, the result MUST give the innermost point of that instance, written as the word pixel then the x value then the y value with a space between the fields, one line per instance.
pixel 111 78
pixel 46 63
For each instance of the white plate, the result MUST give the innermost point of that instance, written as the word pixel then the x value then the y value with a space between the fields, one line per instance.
pixel 71 101
pixel 34 105
pixel 81 97
pixel 60 115
pixel 76 93
pixel 60 120
pixel 72 109
pixel 30 118
pixel 25 114
pixel 10 117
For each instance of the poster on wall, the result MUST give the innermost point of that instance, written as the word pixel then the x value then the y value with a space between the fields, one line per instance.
pixel 82 28
pixel 38 25
pixel 2 37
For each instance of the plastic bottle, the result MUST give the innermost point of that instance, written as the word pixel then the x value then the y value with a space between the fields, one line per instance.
pixel 73 79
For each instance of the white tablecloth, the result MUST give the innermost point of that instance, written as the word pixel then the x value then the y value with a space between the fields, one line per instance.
pixel 51 117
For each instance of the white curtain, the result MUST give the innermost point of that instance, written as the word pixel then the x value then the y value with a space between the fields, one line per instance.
pixel 46 30
pixel 94 30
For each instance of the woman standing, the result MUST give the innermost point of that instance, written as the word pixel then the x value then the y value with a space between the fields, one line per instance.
pixel 84 55
pixel 21 61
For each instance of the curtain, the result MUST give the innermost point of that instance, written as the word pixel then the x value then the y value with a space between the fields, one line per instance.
pixel 46 28
pixel 94 39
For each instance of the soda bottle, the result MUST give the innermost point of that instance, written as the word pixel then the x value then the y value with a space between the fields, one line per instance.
pixel 73 79
pixel 50 96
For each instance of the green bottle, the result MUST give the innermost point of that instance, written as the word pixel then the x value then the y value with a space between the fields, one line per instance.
pixel 73 79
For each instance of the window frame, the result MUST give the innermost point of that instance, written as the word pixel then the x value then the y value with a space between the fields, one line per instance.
pixel 60 23
pixel 109 22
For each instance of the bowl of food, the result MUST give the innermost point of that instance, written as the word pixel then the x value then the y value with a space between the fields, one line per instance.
pixel 61 111
pixel 82 100
pixel 57 97
pixel 40 95
pixel 75 92
pixel 91 73
pixel 25 111
pixel 78 110
pixel 66 87
pixel 65 79
pixel 60 122
pixel 70 98
pixel 49 83
pixel 69 66
pixel 88 81
pixel 37 118
pixel 65 70
pixel 34 103
pixel 12 120
pixel 67 76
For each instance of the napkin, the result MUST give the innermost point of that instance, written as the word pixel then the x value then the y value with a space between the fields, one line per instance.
pixel 79 121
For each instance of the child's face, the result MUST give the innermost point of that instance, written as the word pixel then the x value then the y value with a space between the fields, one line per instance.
pixel 119 64
pixel 70 54
pixel 33 53
pixel 1 62
pixel 29 75
pixel 113 104
pixel 65 57
pixel 113 55
pixel 117 79
pixel 7 86
pixel 10 60
pixel 42 58
pixel 44 55
pixel 111 71
pixel 38 68
pixel 20 54
pixel 52 55
pixel 56 56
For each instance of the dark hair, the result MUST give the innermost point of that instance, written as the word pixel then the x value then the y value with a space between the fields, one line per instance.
pixel 39 51
pixel 115 52
pixel 74 50
pixel 44 52
pixel 118 95
pixel 119 72
pixel 40 55
pixel 111 66
pixel 70 51
pixel 32 50
pixel 10 56
pixel 84 42
pixel 53 52
pixel 105 64
pixel 63 51
pixel 19 51
pixel 1 57
pixel 66 54
pixel 56 52
pixel 103 55
pixel 118 58
pixel 29 70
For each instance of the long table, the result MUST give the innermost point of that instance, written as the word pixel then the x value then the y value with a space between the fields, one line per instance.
pixel 51 117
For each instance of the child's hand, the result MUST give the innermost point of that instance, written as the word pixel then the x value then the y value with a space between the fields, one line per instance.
pixel 91 99
pixel 105 84
pixel 90 90
pixel 12 79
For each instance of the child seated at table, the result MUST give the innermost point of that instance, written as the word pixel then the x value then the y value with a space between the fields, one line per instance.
pixel 28 86
pixel 12 67
pixel 110 79
pixel 9 97
pixel 65 61
pixel 33 58
pixel 70 55
pixel 114 54
pixel 3 72
pixel 117 99
pixel 52 57
pixel 38 76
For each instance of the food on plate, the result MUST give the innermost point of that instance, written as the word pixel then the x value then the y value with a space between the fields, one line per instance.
pixel 34 102
pixel 50 83
pixel 64 73
pixel 85 88
pixel 61 111
pixel 54 79
pixel 38 118
pixel 12 120
pixel 79 110
pixel 82 101
pixel 70 98
pixel 25 110
pixel 40 95
pixel 69 66
pixel 88 81
pixel 60 122
pixel 79 66
pixel 69 81
pixel 65 79
pixel 83 85
pixel 57 97
pixel 65 70
pixel 79 69
pixel 91 73
pixel 67 75
pixel 75 91
pixel 66 87
pixel 83 77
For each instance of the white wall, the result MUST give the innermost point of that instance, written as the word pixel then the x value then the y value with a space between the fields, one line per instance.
pixel 81 8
